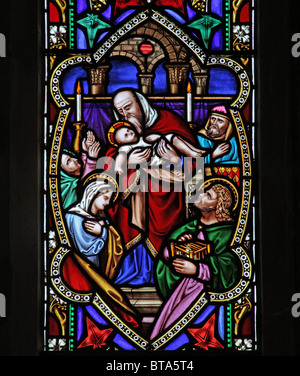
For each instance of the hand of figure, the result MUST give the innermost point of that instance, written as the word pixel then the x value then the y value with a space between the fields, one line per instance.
pixel 119 170
pixel 198 153
pixel 88 141
pixel 153 137
pixel 185 237
pixel 93 226
pixel 139 156
pixel 221 149
pixel 166 151
pixel 184 266
pixel 94 150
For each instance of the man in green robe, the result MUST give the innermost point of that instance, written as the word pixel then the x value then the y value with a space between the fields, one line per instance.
pixel 181 280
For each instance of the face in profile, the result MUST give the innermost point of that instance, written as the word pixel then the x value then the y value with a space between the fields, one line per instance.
pixel 125 135
pixel 101 202
pixel 70 164
pixel 217 126
pixel 127 106
pixel 207 201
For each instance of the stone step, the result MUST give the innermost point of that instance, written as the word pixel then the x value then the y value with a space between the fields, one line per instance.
pixel 144 299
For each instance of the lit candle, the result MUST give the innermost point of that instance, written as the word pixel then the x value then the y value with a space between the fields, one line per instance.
pixel 189 103
pixel 78 103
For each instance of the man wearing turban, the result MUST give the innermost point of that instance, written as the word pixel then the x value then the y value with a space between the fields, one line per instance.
pixel 217 138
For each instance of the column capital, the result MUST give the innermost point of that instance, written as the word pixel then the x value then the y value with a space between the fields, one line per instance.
pixel 178 73
pixel 201 83
pixel 146 81
pixel 98 79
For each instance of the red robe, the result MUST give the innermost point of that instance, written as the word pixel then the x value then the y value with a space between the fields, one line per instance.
pixel 165 209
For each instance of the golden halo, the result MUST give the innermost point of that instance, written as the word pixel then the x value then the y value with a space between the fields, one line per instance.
pixel 102 175
pixel 112 130
pixel 228 184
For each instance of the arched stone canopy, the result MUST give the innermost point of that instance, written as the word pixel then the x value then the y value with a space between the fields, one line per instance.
pixel 179 61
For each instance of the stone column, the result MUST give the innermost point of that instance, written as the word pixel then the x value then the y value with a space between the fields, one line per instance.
pixel 98 79
pixel 201 83
pixel 146 81
pixel 178 74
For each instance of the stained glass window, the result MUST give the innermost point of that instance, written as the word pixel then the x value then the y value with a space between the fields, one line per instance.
pixel 149 159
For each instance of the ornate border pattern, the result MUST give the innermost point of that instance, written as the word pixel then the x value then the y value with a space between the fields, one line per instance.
pixel 128 332
pixel 58 72
pixel 58 282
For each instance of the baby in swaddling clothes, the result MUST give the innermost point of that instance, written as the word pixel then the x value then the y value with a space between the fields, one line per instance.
pixel 124 136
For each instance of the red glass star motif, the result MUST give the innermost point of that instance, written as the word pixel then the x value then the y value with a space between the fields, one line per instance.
pixel 206 335
pixel 96 337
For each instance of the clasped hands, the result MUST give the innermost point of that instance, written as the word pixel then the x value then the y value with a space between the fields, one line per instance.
pixel 94 227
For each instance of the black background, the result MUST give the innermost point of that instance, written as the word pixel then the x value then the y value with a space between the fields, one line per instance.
pixel 278 128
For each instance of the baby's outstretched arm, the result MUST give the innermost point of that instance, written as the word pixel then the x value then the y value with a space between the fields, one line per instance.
pixel 120 163
pixel 153 137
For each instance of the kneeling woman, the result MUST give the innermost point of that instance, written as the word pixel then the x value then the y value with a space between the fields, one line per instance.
pixel 98 244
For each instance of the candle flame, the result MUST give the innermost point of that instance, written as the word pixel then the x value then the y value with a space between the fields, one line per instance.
pixel 189 87
pixel 78 88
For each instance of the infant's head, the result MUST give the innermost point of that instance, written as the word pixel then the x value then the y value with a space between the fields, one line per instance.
pixel 122 133
pixel 125 135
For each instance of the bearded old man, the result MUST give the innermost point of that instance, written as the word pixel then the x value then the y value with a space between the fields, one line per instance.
pixel 217 138
pixel 145 229
pixel 185 279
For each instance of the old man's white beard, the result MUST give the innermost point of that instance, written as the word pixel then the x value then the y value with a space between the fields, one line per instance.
pixel 213 132
pixel 135 121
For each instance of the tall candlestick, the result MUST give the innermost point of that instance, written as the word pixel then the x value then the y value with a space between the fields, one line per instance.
pixel 78 103
pixel 189 110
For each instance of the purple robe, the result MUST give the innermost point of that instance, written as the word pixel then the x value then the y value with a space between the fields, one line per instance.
pixel 185 293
